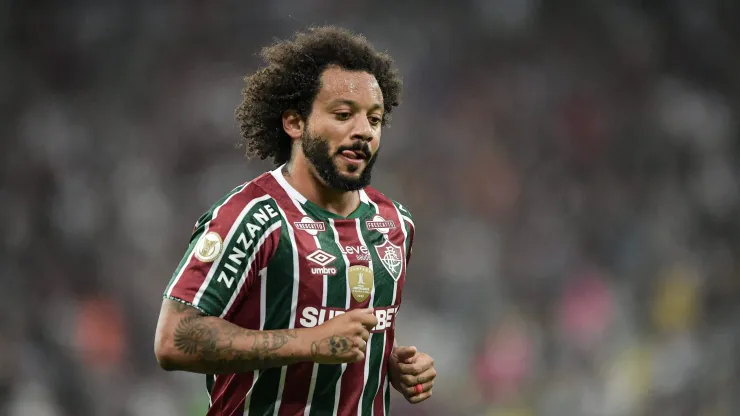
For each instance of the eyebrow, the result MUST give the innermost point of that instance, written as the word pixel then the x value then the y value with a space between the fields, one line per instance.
pixel 354 104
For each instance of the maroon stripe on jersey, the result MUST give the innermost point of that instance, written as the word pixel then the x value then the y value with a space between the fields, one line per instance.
pixel 310 293
pixel 194 273
pixel 249 314
pixel 353 378
pixel 229 394
pixel 389 212
pixel 230 390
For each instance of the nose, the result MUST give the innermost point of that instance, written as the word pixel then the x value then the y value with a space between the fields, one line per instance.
pixel 363 130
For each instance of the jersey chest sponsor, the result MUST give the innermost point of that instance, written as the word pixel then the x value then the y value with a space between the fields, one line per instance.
pixel 312 316
pixel 357 252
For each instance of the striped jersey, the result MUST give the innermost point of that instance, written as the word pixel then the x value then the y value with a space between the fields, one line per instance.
pixel 264 258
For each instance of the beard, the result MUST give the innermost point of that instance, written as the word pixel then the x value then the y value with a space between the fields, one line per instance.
pixel 317 152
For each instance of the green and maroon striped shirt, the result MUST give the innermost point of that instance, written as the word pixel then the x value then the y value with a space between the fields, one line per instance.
pixel 264 257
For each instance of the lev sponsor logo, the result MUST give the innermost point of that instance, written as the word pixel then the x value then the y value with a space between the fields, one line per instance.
pixel 312 316
pixel 360 252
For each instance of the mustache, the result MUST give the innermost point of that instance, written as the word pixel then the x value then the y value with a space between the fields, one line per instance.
pixel 357 147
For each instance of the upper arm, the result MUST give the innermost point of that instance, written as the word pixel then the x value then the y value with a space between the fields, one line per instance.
pixel 171 314
pixel 229 246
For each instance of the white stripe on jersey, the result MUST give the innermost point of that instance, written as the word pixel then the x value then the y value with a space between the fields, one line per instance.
pixel 370 339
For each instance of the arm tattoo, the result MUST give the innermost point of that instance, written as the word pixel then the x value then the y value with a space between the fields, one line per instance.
pixel 337 346
pixel 212 340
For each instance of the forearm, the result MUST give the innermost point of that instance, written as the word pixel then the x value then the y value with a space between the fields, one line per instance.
pixel 210 345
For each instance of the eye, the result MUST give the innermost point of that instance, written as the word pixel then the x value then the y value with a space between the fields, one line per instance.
pixel 375 120
pixel 343 116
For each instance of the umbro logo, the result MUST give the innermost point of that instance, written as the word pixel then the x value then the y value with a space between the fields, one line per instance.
pixel 323 259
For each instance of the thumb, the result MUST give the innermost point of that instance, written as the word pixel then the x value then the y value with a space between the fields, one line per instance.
pixel 404 353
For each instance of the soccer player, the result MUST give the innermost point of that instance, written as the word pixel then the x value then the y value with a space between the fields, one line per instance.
pixel 287 295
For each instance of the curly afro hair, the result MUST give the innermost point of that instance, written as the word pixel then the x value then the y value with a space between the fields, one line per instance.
pixel 291 81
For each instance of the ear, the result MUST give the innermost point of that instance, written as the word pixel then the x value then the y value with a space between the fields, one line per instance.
pixel 293 124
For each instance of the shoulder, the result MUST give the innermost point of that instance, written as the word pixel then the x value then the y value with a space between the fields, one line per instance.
pixel 240 204
pixel 382 200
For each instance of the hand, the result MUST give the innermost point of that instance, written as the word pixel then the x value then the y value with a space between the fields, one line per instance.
pixel 408 368
pixel 343 338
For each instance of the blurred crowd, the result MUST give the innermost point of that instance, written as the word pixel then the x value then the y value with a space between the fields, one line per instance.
pixel 573 168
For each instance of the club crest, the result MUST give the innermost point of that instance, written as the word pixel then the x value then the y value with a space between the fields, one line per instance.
pixel 392 258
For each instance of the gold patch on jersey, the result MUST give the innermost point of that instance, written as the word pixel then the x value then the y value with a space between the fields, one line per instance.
pixel 360 282
pixel 209 247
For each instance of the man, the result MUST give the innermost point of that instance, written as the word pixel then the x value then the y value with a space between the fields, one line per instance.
pixel 287 294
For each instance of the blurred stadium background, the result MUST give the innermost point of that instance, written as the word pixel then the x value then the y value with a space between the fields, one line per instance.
pixel 573 168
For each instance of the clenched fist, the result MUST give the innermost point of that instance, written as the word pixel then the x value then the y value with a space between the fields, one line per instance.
pixel 343 338
pixel 412 373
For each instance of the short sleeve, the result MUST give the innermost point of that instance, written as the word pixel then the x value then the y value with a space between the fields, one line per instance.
pixel 231 243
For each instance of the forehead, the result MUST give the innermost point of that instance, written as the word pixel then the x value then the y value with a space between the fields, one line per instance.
pixel 358 86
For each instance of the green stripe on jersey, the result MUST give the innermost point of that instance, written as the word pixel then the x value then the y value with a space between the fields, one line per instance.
pixel 278 296
pixel 239 248
pixel 324 394
pixel 383 297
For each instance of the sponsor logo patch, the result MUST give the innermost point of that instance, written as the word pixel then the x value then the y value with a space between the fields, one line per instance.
pixel 380 224
pixel 312 316
pixel 360 252
pixel 310 226
pixel 209 247
pixel 323 259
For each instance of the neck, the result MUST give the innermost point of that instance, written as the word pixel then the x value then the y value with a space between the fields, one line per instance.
pixel 301 176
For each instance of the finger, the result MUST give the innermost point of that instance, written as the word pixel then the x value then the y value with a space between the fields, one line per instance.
pixel 361 344
pixel 368 320
pixel 404 353
pixel 411 390
pixel 364 334
pixel 359 356
pixel 420 397
pixel 412 380
pixel 362 312
pixel 416 367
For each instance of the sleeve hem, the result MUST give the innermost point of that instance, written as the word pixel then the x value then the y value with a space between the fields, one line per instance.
pixel 184 302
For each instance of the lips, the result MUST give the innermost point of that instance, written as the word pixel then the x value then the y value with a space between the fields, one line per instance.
pixel 354 154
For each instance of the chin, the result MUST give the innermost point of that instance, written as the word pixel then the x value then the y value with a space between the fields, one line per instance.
pixel 349 170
